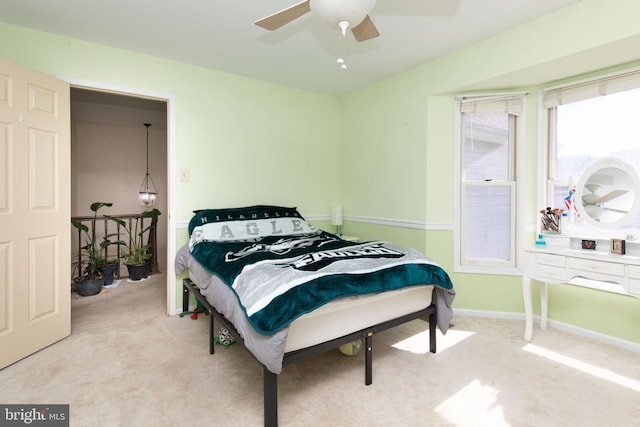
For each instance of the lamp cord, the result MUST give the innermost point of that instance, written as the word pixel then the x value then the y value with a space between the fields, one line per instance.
pixel 146 178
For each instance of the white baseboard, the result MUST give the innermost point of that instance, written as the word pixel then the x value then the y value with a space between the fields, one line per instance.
pixel 596 336
pixel 505 315
pixel 561 326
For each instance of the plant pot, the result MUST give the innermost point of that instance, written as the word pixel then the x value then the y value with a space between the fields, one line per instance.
pixel 139 271
pixel 110 272
pixel 88 287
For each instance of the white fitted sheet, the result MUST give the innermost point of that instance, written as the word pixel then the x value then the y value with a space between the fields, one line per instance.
pixel 347 315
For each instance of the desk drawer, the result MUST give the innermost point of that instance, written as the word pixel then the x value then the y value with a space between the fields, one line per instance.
pixel 551 273
pixel 548 259
pixel 602 267
pixel 634 287
pixel 634 271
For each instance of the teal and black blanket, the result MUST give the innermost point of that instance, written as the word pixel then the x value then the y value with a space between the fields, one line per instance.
pixel 280 267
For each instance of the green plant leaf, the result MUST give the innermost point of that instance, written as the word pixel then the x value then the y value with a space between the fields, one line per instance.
pixel 97 205
pixel 80 226
pixel 118 220
pixel 150 214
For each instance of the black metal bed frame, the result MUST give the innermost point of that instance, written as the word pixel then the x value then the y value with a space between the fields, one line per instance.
pixel 271 379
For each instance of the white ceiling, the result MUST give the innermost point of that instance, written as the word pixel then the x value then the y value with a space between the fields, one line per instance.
pixel 220 34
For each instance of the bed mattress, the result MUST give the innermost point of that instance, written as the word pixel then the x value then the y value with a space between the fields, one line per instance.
pixel 347 315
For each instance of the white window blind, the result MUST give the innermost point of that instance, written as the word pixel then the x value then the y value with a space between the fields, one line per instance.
pixel 593 88
pixel 511 104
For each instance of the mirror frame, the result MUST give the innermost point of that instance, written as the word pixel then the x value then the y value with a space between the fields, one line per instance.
pixel 607 163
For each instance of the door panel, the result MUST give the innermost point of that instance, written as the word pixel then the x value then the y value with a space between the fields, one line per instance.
pixel 43 300
pixel 5 297
pixel 5 165
pixel 43 170
pixel 35 254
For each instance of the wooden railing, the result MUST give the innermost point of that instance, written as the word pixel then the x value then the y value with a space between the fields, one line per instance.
pixel 106 227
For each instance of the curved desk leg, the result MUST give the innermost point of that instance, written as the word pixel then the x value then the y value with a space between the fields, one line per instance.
pixel 544 305
pixel 528 307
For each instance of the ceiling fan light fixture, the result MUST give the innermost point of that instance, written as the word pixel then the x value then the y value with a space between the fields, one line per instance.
pixel 344 26
pixel 332 12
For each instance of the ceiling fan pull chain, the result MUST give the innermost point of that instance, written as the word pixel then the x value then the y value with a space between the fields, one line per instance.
pixel 344 25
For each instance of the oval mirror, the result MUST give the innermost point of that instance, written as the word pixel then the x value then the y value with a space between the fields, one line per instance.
pixel 606 194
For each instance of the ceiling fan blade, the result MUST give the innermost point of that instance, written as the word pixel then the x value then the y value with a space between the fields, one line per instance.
pixel 365 30
pixel 278 19
pixel 615 210
pixel 610 196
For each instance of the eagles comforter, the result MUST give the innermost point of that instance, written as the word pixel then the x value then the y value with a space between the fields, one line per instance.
pixel 280 267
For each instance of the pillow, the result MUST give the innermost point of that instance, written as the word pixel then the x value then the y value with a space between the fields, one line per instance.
pixel 248 223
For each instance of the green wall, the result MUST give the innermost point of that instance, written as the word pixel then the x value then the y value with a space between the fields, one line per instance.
pixel 398 137
pixel 246 141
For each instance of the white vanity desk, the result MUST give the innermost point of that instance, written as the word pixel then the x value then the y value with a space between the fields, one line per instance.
pixel 562 260
pixel 607 197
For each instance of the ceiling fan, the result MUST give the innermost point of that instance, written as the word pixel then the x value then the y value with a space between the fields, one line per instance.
pixel 594 203
pixel 344 14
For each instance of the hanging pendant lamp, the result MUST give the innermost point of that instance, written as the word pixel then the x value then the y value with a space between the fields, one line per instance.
pixel 148 191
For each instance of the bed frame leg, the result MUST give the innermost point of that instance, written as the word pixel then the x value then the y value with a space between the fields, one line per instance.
pixel 212 337
pixel 270 399
pixel 185 298
pixel 368 359
pixel 432 332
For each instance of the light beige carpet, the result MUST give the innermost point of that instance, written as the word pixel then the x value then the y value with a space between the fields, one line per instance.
pixel 128 364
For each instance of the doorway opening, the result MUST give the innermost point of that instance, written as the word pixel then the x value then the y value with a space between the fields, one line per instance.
pixel 109 159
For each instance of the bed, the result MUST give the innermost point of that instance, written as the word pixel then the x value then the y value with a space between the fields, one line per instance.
pixel 287 290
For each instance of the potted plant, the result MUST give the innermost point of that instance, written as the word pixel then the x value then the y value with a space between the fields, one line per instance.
pixel 110 268
pixel 138 258
pixel 89 278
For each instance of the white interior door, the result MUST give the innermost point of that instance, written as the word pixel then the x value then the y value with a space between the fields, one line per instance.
pixel 35 234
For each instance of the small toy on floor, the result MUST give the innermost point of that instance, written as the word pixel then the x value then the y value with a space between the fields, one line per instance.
pixel 224 338
pixel 194 314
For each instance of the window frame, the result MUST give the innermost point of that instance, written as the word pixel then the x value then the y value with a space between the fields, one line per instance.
pixel 572 91
pixel 462 264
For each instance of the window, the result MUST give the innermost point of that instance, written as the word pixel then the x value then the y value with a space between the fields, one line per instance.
pixel 589 121
pixel 486 222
